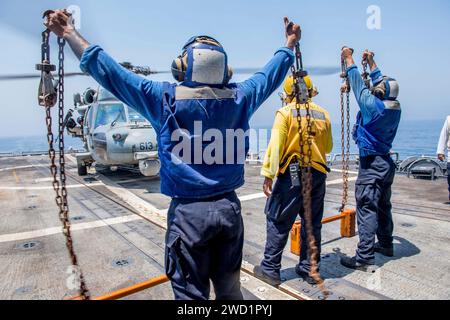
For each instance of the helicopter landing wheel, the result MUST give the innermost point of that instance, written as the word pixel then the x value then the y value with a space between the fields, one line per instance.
pixel 82 169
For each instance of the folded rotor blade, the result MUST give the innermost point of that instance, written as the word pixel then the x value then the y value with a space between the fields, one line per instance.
pixel 36 76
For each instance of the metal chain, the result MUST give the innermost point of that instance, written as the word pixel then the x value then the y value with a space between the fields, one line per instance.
pixel 347 154
pixel 306 173
pixel 45 47
pixel 345 135
pixel 365 74
pixel 84 292
pixel 59 186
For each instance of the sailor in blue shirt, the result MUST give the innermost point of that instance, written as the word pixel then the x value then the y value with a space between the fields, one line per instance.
pixel 200 124
pixel 376 127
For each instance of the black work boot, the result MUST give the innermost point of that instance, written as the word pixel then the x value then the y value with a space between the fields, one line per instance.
pixel 385 251
pixel 259 273
pixel 352 263
pixel 305 275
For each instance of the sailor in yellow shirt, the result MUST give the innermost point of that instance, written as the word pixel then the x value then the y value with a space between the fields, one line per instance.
pixel 285 201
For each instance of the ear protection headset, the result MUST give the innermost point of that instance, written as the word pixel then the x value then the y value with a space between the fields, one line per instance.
pixel 386 89
pixel 379 90
pixel 180 64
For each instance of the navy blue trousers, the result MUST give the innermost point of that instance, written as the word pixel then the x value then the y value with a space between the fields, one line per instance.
pixel 204 242
pixel 282 209
pixel 448 178
pixel 373 205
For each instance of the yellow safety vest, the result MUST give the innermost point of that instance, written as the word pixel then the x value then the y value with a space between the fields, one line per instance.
pixel 284 141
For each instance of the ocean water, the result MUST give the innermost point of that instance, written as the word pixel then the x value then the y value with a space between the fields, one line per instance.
pixel 413 138
pixel 34 143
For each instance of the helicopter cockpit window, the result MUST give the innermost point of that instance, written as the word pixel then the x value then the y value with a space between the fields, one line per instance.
pixel 135 116
pixel 109 113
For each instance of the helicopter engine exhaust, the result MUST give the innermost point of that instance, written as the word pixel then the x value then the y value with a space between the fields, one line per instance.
pixel 149 168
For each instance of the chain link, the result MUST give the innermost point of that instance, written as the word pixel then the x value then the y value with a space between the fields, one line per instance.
pixel 60 185
pixel 365 74
pixel 306 173
pixel 345 135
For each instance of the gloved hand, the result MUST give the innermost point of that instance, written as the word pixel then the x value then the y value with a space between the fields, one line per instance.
pixel 293 33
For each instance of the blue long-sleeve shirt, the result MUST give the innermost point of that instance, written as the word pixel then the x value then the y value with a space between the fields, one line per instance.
pixel 171 113
pixel 369 105
pixel 377 122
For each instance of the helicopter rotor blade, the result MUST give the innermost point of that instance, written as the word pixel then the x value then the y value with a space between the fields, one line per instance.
pixel 36 76
pixel 318 71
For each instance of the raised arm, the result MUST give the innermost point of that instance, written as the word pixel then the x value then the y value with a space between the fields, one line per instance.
pixel 368 103
pixel 139 93
pixel 375 73
pixel 369 56
pixel 262 84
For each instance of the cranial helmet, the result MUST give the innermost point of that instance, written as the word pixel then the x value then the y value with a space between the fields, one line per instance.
pixel 202 62
pixel 289 87
pixel 386 89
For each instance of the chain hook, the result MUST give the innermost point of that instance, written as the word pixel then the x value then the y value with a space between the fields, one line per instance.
pixel 48 97
pixel 302 97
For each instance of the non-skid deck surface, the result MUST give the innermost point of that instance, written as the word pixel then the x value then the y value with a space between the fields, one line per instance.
pixel 118 248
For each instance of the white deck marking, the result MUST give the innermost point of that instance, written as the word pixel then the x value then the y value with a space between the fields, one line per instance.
pixel 340 170
pixel 262 195
pixel 21 167
pixel 252 197
pixel 340 181
pixel 333 170
pixel 49 179
pixel 159 217
pixel 145 208
pixel 75 227
pixel 73 186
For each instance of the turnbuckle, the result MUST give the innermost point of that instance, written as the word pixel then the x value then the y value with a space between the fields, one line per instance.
pixel 299 74
pixel 45 66
pixel 47 94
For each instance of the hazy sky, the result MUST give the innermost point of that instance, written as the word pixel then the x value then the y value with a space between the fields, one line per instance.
pixel 411 46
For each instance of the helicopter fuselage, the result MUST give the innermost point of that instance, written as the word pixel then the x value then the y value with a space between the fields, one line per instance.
pixel 122 144
pixel 115 135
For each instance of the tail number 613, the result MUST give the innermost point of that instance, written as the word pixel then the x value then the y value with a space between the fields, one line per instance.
pixel 146 146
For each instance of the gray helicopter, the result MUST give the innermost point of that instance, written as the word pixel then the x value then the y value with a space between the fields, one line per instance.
pixel 114 134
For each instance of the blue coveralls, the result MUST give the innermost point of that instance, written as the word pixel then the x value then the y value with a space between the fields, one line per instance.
pixel 374 132
pixel 205 227
pixel 282 209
